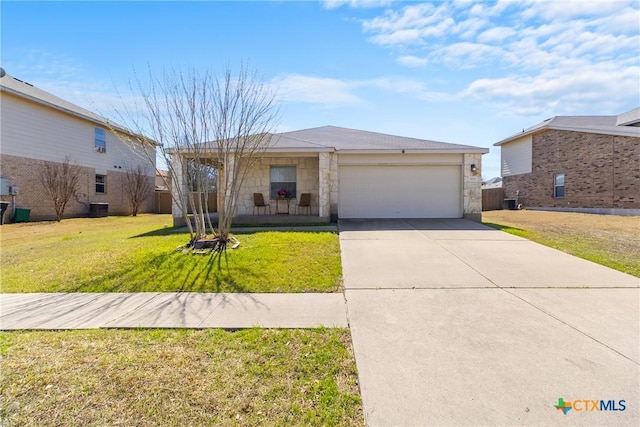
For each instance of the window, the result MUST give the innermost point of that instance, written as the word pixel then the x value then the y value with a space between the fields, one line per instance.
pixel 283 182
pixel 101 184
pixel 558 186
pixel 100 140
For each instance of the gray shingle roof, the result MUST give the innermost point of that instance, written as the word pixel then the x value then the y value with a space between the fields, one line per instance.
pixel 329 138
pixel 608 125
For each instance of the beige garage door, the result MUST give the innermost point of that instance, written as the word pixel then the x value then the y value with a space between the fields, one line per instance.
pixel 400 192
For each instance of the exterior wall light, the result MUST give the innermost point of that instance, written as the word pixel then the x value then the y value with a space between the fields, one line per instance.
pixel 474 169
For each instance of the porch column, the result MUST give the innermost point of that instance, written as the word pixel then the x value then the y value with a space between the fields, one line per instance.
pixel 178 190
pixel 472 187
pixel 324 166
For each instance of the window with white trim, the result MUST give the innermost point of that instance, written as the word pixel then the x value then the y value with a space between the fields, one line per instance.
pixel 558 186
pixel 283 182
pixel 100 140
pixel 101 184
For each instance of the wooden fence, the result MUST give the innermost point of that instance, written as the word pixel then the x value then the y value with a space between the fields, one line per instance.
pixel 163 202
pixel 492 199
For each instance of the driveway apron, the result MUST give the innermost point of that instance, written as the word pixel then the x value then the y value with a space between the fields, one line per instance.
pixel 455 323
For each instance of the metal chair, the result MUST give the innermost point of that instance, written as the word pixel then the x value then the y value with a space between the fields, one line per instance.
pixel 305 202
pixel 258 202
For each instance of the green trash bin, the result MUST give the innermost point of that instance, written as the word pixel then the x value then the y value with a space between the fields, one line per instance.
pixel 21 215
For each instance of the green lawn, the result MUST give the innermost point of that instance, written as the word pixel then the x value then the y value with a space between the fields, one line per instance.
pixel 138 254
pixel 178 378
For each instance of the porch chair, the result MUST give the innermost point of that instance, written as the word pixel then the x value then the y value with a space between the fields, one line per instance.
pixel 305 202
pixel 258 202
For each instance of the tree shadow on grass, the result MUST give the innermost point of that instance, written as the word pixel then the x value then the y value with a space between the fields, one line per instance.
pixel 216 272
pixel 170 231
pixel 167 272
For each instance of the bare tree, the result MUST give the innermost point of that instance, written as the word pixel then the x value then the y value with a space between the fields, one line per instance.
pixel 202 122
pixel 137 186
pixel 60 181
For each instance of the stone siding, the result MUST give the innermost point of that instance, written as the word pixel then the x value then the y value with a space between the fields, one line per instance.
pixel 601 171
pixel 258 181
pixel 24 173
pixel 472 187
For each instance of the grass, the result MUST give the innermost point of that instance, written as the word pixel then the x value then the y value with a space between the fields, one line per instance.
pixel 613 241
pixel 127 254
pixel 179 377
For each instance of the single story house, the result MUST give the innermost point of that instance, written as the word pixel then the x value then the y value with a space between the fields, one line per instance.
pixel 359 174
pixel 575 163
pixel 39 128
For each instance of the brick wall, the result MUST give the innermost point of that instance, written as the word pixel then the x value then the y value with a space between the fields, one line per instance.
pixel 24 173
pixel 601 171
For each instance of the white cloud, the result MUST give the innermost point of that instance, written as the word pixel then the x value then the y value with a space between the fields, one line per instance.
pixel 335 93
pixel 400 37
pixel 624 21
pixel 422 20
pixel 569 9
pixel 566 90
pixel 469 28
pixel 549 30
pixel 466 55
pixel 416 88
pixel 496 34
pixel 528 56
pixel 334 4
pixel 315 90
pixel 412 61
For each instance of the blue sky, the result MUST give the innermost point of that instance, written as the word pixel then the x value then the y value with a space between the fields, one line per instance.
pixel 455 71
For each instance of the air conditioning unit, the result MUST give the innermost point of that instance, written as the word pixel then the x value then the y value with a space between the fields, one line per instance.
pixel 101 149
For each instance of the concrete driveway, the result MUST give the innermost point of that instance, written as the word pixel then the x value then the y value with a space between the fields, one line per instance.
pixel 454 323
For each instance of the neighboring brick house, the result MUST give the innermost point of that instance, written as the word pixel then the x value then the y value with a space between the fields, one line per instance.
pixel 38 127
pixel 576 163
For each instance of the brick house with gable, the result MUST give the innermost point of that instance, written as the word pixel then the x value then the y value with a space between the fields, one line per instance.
pixel 575 163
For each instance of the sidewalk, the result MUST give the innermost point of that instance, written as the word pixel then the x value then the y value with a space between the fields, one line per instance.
pixel 171 310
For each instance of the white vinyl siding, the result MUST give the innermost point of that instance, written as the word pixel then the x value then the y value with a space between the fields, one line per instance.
pixel 400 191
pixel 516 157
pixel 34 131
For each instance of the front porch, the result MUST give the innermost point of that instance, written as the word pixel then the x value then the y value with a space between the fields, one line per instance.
pixel 297 175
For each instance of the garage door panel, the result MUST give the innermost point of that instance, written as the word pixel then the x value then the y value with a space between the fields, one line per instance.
pixel 400 192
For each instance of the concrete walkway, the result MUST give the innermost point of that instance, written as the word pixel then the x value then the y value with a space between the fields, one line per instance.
pixel 170 310
pixel 455 323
